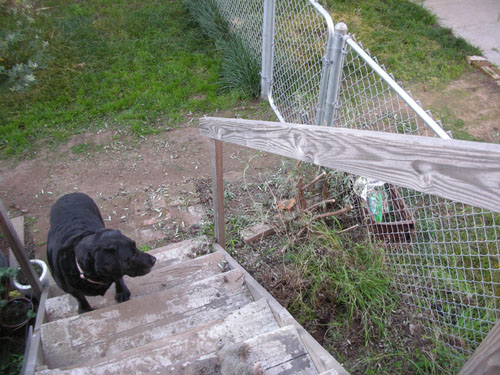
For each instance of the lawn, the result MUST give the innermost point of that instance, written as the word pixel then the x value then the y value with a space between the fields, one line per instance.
pixel 140 65
pixel 143 65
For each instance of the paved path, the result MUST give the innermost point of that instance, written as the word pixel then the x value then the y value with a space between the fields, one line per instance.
pixel 477 21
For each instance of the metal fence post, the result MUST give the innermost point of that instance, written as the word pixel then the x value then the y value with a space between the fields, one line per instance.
pixel 327 61
pixel 335 76
pixel 267 48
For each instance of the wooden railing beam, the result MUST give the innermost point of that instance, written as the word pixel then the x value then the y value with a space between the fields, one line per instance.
pixel 462 171
pixel 486 359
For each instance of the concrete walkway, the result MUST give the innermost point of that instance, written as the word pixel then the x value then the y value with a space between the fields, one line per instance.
pixel 477 21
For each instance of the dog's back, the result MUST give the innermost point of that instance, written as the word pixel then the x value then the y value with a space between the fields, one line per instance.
pixel 71 217
pixel 73 214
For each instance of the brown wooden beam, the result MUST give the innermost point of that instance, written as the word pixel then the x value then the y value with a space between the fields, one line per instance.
pixel 216 167
pixel 486 359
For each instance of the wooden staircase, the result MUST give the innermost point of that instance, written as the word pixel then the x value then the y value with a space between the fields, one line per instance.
pixel 174 320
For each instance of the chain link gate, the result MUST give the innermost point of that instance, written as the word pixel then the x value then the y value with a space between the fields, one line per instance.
pixel 444 255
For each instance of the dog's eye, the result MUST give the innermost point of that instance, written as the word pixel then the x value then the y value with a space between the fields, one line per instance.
pixel 110 249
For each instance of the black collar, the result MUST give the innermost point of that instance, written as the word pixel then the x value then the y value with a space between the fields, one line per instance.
pixel 82 275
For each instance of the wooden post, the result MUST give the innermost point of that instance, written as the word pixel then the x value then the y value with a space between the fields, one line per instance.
pixel 216 168
pixel 18 249
pixel 486 359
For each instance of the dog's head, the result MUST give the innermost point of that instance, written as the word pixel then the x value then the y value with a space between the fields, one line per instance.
pixel 111 255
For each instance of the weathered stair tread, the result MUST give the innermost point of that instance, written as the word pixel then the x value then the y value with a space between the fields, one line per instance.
pixel 165 256
pixel 157 280
pixel 179 252
pixel 155 358
pixel 137 322
pixel 279 352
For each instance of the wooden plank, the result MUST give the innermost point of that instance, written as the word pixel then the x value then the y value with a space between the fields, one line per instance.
pixel 216 168
pixel 256 232
pixel 160 279
pixel 279 352
pixel 157 357
pixel 486 359
pixel 463 171
pixel 114 329
pixel 321 358
pixel 18 223
pixel 18 249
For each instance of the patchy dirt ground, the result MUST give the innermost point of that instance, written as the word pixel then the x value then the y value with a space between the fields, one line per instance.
pixel 470 104
pixel 145 188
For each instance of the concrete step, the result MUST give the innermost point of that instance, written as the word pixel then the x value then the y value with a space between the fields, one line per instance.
pixel 166 256
pixel 107 331
pixel 162 277
pixel 278 352
pixel 157 357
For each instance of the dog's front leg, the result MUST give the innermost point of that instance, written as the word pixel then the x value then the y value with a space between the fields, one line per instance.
pixel 122 292
pixel 83 304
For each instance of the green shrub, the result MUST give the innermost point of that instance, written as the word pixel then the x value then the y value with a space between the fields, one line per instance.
pixel 21 47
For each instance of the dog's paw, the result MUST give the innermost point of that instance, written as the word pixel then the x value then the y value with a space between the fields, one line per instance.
pixel 122 296
pixel 82 310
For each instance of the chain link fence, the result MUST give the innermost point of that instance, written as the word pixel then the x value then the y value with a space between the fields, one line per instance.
pixel 444 255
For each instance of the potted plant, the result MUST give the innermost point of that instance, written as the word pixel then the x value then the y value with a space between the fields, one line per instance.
pixel 14 312
pixel 22 284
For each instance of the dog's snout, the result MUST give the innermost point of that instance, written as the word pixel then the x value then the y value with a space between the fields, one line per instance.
pixel 152 260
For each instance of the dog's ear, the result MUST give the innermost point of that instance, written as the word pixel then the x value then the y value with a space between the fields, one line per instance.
pixel 107 249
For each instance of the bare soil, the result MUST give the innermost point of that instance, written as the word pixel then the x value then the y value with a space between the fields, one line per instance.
pixel 470 104
pixel 144 187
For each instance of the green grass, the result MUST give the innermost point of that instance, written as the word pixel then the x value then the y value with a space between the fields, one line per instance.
pixel 240 68
pixel 356 281
pixel 405 37
pixel 137 65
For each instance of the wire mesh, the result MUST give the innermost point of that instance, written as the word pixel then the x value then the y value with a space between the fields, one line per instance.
pixel 444 255
pixel 245 18
pixel 300 38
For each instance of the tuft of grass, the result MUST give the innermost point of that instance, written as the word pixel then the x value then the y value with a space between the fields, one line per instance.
pixel 137 65
pixel 240 68
pixel 406 38
pixel 351 276
pixel 83 148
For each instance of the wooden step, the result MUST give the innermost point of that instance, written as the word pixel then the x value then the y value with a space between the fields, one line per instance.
pixel 157 357
pixel 114 329
pixel 278 352
pixel 181 251
pixel 166 256
pixel 160 278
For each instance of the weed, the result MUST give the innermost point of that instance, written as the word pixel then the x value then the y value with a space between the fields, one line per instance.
pixel 355 280
pixel 145 248
pixel 82 148
pixel 21 47
pixel 10 363
pixel 240 68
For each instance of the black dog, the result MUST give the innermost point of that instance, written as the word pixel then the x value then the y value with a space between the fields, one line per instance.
pixel 84 257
